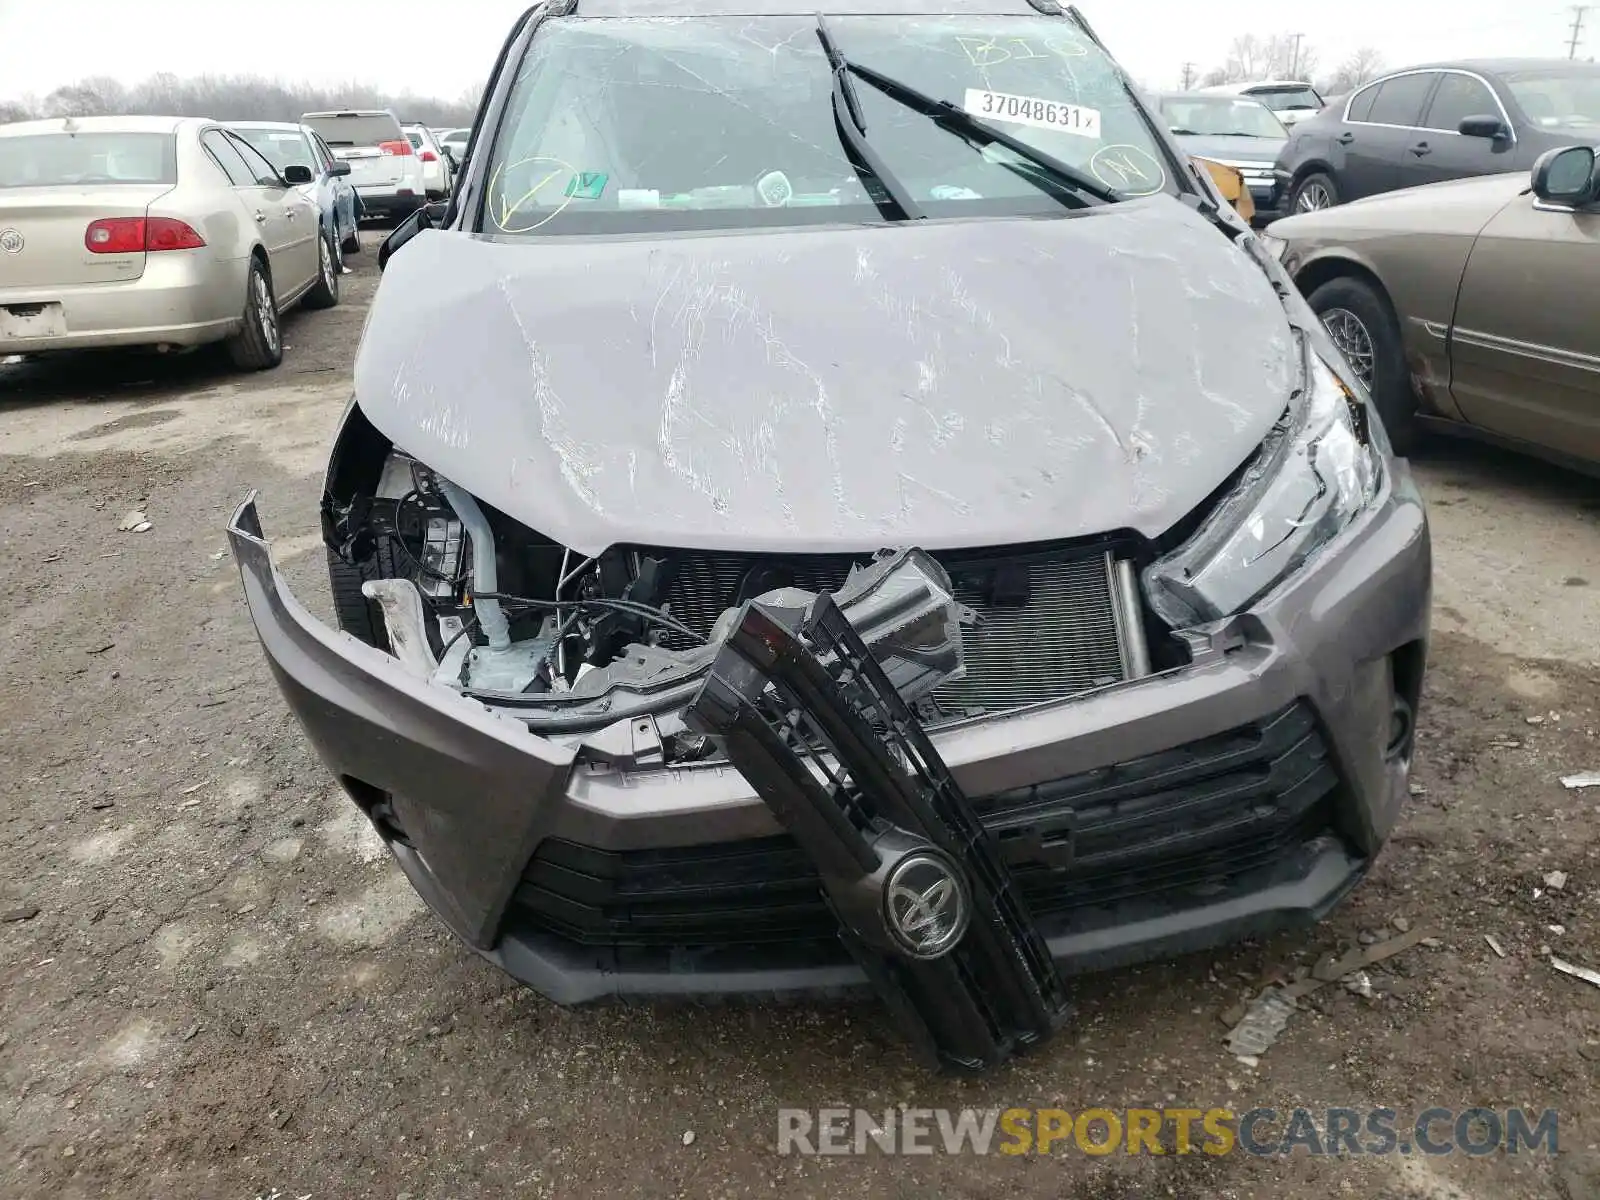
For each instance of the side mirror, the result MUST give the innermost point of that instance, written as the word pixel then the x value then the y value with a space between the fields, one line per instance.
pixel 338 167
pixel 1566 176
pixel 1485 126
pixel 296 174
pixel 409 228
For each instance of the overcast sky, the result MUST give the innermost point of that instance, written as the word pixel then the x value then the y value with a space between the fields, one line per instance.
pixel 436 48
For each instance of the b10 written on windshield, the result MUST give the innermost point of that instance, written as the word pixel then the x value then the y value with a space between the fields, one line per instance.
pixel 991 52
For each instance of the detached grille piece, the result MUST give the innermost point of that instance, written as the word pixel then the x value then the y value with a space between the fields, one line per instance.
pixel 1156 834
pixel 1062 641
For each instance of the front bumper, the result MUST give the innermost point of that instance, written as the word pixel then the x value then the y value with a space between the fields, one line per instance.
pixel 533 852
pixel 1268 192
pixel 389 201
pixel 1269 204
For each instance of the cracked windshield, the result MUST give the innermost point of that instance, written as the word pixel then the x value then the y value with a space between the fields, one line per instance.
pixel 634 124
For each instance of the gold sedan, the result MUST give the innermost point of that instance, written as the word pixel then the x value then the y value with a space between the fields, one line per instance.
pixel 162 232
pixel 1468 307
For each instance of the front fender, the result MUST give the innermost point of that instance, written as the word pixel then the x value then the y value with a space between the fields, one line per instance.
pixel 1423 302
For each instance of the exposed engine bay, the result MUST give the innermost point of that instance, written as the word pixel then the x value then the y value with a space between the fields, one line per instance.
pixel 476 602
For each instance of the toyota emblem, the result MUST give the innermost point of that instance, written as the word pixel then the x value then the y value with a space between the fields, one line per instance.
pixel 927 905
pixel 11 241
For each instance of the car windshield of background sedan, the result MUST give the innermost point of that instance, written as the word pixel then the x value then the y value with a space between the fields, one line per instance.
pixel 629 124
pixel 283 147
pixel 1221 117
pixel 70 159
pixel 1566 97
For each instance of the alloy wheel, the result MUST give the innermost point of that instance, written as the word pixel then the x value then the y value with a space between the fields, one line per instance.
pixel 1314 197
pixel 1353 339
pixel 266 311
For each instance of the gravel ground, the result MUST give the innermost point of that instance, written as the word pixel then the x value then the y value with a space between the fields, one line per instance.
pixel 228 991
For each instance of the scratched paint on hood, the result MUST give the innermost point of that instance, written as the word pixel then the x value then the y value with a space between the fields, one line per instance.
pixel 942 384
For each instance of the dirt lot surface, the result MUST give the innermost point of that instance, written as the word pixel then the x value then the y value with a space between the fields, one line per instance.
pixel 227 990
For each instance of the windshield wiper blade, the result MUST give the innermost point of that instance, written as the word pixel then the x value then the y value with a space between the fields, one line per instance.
pixel 853 127
pixel 1083 185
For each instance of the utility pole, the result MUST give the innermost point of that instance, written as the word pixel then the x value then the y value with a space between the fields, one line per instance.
pixel 1188 77
pixel 1579 11
pixel 1294 63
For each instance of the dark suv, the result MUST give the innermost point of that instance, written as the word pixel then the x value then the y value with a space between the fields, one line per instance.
pixel 1432 123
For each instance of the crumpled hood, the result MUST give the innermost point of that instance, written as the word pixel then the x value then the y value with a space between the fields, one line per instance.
pixel 941 384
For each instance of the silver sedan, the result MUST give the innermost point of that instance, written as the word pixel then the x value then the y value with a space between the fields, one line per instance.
pixel 166 232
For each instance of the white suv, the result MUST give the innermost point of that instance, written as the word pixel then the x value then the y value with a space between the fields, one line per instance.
pixel 436 167
pixel 385 168
pixel 1291 100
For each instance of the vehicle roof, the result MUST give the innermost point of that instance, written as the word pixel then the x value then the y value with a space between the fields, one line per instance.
pixel 1491 66
pixel 800 8
pixel 352 112
pixel 284 125
pixel 105 125
pixel 1240 88
pixel 1207 94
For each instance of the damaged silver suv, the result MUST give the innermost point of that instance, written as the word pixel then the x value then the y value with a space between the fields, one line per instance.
pixel 842 501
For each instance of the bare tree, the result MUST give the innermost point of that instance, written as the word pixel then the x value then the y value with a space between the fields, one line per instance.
pixel 1247 59
pixel 74 100
pixel 1291 59
pixel 1252 58
pixel 1366 63
pixel 234 98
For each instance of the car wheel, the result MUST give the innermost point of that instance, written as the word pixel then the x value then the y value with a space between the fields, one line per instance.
pixel 325 292
pixel 352 244
pixel 1362 323
pixel 258 346
pixel 1313 194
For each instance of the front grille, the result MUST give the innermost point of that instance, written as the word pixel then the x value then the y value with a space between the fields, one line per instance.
pixel 1166 831
pixel 1063 641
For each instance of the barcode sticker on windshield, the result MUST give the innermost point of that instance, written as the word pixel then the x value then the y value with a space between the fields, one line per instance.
pixel 1030 110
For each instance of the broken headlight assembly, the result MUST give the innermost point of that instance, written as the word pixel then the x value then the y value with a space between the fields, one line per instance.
pixel 1318 470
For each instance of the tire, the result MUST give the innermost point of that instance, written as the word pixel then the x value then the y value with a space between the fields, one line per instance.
pixel 325 292
pixel 1352 310
pixel 258 346
pixel 1311 190
pixel 358 616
